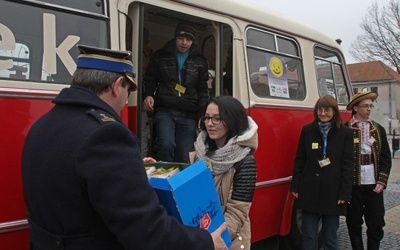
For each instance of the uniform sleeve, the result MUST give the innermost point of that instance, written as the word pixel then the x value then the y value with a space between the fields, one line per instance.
pixel 299 162
pixel 238 206
pixel 385 163
pixel 110 166
pixel 347 165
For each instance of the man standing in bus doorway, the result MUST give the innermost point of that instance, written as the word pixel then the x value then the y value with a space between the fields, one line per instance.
pixel 175 87
pixel 372 166
pixel 84 181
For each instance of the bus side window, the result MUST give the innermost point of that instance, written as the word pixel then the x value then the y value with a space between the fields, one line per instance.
pixel 42 47
pixel 260 83
pixel 330 75
pixel 20 57
pixel 275 66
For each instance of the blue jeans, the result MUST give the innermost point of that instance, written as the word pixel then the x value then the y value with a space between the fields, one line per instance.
pixel 174 137
pixel 309 228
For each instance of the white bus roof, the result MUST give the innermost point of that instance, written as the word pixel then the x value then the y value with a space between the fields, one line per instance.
pixel 263 16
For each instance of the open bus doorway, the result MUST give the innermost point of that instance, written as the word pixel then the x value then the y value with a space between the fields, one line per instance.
pixel 154 27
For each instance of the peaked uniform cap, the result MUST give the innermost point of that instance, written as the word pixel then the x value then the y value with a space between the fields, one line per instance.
pixel 107 60
pixel 359 97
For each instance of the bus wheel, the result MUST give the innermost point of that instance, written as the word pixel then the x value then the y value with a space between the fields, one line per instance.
pixel 269 243
pixel 293 240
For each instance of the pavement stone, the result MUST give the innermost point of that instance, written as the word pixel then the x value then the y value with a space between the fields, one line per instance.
pixel 391 240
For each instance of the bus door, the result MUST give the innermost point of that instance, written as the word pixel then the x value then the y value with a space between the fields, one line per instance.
pixel 153 26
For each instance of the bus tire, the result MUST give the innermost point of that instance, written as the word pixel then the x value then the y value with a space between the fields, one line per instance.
pixel 292 241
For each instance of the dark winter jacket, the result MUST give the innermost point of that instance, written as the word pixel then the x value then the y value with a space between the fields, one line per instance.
pixel 320 188
pixel 162 76
pixel 85 184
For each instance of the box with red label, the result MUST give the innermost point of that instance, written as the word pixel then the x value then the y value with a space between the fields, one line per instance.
pixel 190 196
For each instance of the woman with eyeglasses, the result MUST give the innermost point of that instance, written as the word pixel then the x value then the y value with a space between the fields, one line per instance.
pixel 323 174
pixel 372 164
pixel 226 143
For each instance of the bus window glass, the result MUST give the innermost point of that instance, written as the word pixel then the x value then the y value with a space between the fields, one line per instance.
pixel 330 75
pixel 287 46
pixel 275 70
pixel 95 6
pixel 40 47
pixel 19 59
pixel 342 94
pixel 256 38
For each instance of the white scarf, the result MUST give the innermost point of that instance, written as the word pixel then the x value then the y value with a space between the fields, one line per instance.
pixel 233 151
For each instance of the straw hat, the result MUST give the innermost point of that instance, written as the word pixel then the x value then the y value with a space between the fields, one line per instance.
pixel 359 97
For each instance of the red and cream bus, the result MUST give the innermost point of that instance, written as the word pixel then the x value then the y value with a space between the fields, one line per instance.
pixel 242 42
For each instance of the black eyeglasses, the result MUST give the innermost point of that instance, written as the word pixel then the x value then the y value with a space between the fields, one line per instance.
pixel 366 106
pixel 215 120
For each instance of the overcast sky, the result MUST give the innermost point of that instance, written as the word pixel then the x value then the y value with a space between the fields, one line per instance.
pixel 337 18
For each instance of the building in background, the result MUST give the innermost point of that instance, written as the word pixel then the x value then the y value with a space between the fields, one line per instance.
pixel 379 78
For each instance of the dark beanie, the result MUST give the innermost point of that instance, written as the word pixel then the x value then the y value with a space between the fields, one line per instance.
pixel 185 30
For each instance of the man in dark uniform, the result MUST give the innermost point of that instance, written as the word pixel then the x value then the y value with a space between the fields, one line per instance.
pixel 84 182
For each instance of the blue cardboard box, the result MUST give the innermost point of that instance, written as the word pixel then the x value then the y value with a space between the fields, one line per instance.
pixel 190 196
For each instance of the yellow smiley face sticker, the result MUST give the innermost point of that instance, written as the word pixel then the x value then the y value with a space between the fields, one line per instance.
pixel 276 67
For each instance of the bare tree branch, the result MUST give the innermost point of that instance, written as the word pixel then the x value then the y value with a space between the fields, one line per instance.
pixel 380 39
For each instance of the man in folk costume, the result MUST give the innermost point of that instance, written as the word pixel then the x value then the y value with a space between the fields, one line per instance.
pixel 371 173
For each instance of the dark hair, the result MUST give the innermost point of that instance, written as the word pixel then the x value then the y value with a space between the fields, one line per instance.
pixel 233 116
pixel 328 101
pixel 97 81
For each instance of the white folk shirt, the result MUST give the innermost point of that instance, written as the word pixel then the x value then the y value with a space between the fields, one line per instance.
pixel 367 171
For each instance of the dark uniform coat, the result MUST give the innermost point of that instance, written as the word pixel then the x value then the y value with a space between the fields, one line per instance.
pixel 85 185
pixel 320 188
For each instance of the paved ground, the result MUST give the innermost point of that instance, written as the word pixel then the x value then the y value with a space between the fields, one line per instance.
pixel 391 240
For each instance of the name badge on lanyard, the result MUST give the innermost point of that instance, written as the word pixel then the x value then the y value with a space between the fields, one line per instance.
pixel 180 88
pixel 324 162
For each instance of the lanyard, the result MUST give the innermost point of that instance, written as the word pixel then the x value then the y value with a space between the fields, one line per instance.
pixel 324 129
pixel 179 76
pixel 325 144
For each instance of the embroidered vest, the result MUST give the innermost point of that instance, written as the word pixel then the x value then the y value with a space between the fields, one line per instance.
pixel 381 178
